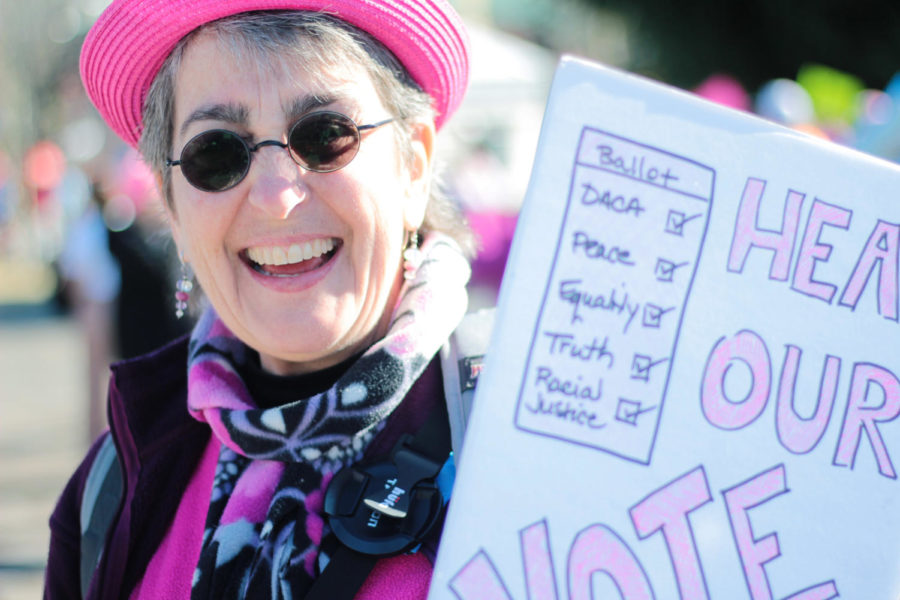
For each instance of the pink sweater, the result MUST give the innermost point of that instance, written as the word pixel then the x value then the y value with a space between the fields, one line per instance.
pixel 171 570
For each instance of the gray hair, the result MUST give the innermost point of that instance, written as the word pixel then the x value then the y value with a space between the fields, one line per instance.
pixel 320 43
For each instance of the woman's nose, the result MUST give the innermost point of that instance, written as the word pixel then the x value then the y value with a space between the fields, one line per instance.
pixel 277 184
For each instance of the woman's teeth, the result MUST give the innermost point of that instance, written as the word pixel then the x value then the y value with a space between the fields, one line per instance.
pixel 284 255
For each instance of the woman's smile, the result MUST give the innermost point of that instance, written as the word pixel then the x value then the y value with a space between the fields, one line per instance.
pixel 293 259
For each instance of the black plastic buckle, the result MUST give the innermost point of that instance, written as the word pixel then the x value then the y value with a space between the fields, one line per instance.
pixel 388 507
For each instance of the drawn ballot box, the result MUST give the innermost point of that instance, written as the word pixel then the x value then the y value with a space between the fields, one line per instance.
pixel 625 258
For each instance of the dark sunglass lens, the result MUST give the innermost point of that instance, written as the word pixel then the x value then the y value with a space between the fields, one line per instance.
pixel 215 161
pixel 324 141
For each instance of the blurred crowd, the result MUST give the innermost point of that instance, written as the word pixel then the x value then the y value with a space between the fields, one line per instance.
pixel 824 102
pixel 97 233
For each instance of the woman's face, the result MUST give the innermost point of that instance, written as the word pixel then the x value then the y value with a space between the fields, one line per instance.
pixel 313 313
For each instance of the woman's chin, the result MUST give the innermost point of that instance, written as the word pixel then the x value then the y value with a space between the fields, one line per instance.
pixel 295 361
pixel 302 338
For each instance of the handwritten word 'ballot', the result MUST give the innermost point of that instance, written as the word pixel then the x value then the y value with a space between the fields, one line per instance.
pixel 626 255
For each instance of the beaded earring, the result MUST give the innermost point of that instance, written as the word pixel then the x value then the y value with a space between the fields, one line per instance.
pixel 183 288
pixel 412 256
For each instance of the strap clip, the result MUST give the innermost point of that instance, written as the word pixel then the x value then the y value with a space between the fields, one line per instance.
pixel 393 497
pixel 388 507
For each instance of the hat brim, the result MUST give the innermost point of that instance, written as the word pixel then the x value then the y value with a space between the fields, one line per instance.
pixel 128 44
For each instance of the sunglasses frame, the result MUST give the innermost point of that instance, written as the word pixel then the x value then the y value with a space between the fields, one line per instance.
pixel 358 129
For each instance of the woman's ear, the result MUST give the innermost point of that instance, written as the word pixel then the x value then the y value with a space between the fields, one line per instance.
pixel 420 173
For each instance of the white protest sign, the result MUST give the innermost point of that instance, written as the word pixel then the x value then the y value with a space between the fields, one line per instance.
pixel 693 385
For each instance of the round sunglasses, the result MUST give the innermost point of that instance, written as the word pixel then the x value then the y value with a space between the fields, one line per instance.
pixel 219 159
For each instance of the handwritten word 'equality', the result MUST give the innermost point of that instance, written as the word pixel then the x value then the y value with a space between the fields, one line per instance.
pixel 570 292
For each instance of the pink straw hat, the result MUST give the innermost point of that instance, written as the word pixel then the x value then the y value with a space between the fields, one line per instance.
pixel 129 42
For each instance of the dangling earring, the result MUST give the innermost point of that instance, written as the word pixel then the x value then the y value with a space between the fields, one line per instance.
pixel 412 256
pixel 183 288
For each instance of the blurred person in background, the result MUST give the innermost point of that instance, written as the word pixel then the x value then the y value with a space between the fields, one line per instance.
pixel 293 142
pixel 139 241
pixel 91 281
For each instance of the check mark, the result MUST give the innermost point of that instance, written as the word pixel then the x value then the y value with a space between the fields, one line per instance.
pixel 665 269
pixel 641 366
pixel 676 221
pixel 628 411
pixel 653 315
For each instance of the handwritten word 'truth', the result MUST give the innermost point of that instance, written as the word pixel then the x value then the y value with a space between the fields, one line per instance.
pixel 564 343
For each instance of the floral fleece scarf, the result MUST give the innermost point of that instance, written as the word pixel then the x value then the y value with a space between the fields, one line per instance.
pixel 265 526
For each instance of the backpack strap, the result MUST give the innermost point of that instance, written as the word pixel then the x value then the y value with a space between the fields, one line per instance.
pixel 461 362
pixel 386 507
pixel 462 359
pixel 99 505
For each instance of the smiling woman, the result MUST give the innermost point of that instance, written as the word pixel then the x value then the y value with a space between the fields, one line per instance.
pixel 294 149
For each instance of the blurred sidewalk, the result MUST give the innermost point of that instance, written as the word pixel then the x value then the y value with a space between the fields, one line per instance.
pixel 43 424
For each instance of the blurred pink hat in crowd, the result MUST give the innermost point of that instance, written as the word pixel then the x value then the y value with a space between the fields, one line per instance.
pixel 724 89
pixel 127 45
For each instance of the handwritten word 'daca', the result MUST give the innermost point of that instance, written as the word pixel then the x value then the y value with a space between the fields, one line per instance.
pixel 635 166
pixel 598 549
pixel 563 343
pixel 564 410
pixel 877 263
pixel 570 292
pixel 573 389
pixel 595 249
pixel 611 201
